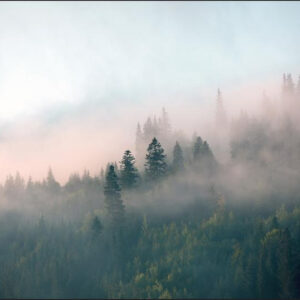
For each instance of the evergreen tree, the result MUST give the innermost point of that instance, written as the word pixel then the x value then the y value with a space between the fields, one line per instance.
pixel 178 161
pixel 289 84
pixel 148 129
pixel 165 123
pixel 206 151
pixel 139 141
pixel 139 134
pixel 113 201
pixel 102 175
pixel 129 173
pixel 51 183
pixel 155 166
pixel 197 148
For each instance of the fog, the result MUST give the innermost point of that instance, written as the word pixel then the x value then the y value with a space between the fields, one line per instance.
pixel 149 150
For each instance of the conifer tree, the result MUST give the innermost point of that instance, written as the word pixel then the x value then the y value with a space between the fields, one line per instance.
pixel 165 123
pixel 197 148
pixel 155 166
pixel 139 134
pixel 206 151
pixel 138 138
pixel 178 161
pixel 289 84
pixel 102 175
pixel 148 129
pixel 129 173
pixel 114 204
pixel 51 183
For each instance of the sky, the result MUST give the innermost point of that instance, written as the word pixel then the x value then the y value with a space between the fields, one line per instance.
pixel 67 65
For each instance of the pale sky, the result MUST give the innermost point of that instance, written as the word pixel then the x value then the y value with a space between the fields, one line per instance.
pixel 60 53
pixel 87 64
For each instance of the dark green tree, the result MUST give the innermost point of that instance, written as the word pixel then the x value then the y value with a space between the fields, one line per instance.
pixel 178 161
pixel 155 166
pixel 129 173
pixel 113 201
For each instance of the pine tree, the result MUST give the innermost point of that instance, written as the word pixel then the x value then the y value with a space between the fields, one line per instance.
pixel 102 175
pixel 197 148
pixel 51 183
pixel 203 156
pixel 206 151
pixel 129 173
pixel 289 84
pixel 138 139
pixel 113 201
pixel 148 129
pixel 178 161
pixel 165 123
pixel 139 134
pixel 155 166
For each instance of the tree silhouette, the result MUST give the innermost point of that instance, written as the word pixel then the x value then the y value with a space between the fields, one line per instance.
pixel 155 166
pixel 178 161
pixel 113 201
pixel 129 173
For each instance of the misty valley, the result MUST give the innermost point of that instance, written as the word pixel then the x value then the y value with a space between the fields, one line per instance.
pixel 214 214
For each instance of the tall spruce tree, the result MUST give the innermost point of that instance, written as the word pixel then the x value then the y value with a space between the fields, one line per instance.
pixel 113 201
pixel 129 173
pixel 155 166
pixel 197 148
pixel 178 161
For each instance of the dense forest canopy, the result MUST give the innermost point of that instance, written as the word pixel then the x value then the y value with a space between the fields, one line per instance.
pixel 170 219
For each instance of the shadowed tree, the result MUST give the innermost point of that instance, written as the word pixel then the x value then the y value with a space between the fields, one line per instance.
pixel 129 173
pixel 197 148
pixel 178 161
pixel 114 204
pixel 155 166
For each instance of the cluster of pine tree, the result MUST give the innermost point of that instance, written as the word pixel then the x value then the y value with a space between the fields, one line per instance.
pixel 229 231
pixel 156 170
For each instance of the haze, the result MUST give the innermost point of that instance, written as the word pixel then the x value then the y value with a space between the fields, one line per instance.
pixel 76 77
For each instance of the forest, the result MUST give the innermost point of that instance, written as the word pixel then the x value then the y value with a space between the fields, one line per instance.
pixel 170 219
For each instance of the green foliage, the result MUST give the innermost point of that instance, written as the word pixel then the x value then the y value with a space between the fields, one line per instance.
pixel 114 204
pixel 129 173
pixel 222 256
pixel 155 166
